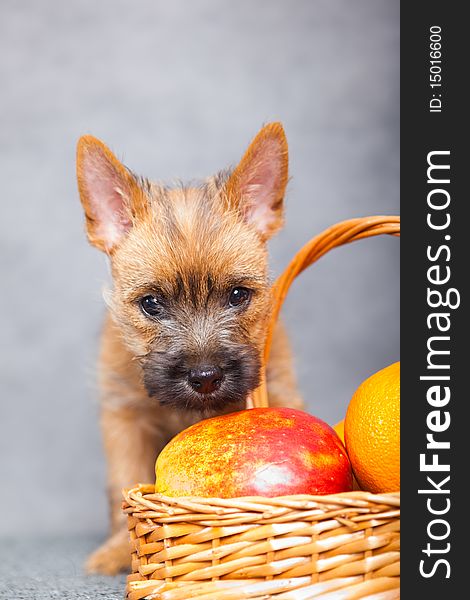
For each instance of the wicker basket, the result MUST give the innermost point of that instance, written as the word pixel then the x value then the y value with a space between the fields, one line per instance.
pixel 336 546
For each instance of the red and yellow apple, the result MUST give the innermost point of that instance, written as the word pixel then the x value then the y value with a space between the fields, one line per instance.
pixel 255 452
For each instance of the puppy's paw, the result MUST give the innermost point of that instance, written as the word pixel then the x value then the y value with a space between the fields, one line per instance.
pixel 112 557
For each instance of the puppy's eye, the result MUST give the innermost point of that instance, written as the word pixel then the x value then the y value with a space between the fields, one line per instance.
pixel 151 306
pixel 239 296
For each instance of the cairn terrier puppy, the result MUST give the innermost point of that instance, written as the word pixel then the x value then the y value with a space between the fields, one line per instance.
pixel 188 308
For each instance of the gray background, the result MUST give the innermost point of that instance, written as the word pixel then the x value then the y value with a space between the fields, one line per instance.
pixel 178 89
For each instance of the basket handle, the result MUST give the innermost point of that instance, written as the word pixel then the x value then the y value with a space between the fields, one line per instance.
pixel 333 237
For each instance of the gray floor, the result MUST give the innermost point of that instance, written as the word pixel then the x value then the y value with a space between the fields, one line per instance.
pixel 45 568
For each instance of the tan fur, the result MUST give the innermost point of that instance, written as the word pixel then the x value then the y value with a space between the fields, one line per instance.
pixel 271 134
pixel 160 238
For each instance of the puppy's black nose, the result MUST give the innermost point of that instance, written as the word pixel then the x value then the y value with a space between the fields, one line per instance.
pixel 205 379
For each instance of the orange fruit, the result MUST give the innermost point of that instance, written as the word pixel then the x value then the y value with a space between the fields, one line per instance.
pixel 372 431
pixel 339 428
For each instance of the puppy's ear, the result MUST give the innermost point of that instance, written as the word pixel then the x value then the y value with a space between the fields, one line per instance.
pixel 257 185
pixel 110 194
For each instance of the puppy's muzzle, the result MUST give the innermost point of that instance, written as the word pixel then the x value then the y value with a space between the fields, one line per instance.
pixel 205 383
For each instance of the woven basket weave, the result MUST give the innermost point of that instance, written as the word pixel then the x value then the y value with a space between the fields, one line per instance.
pixel 333 547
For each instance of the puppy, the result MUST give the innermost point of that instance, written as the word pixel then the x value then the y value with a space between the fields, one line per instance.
pixel 188 308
